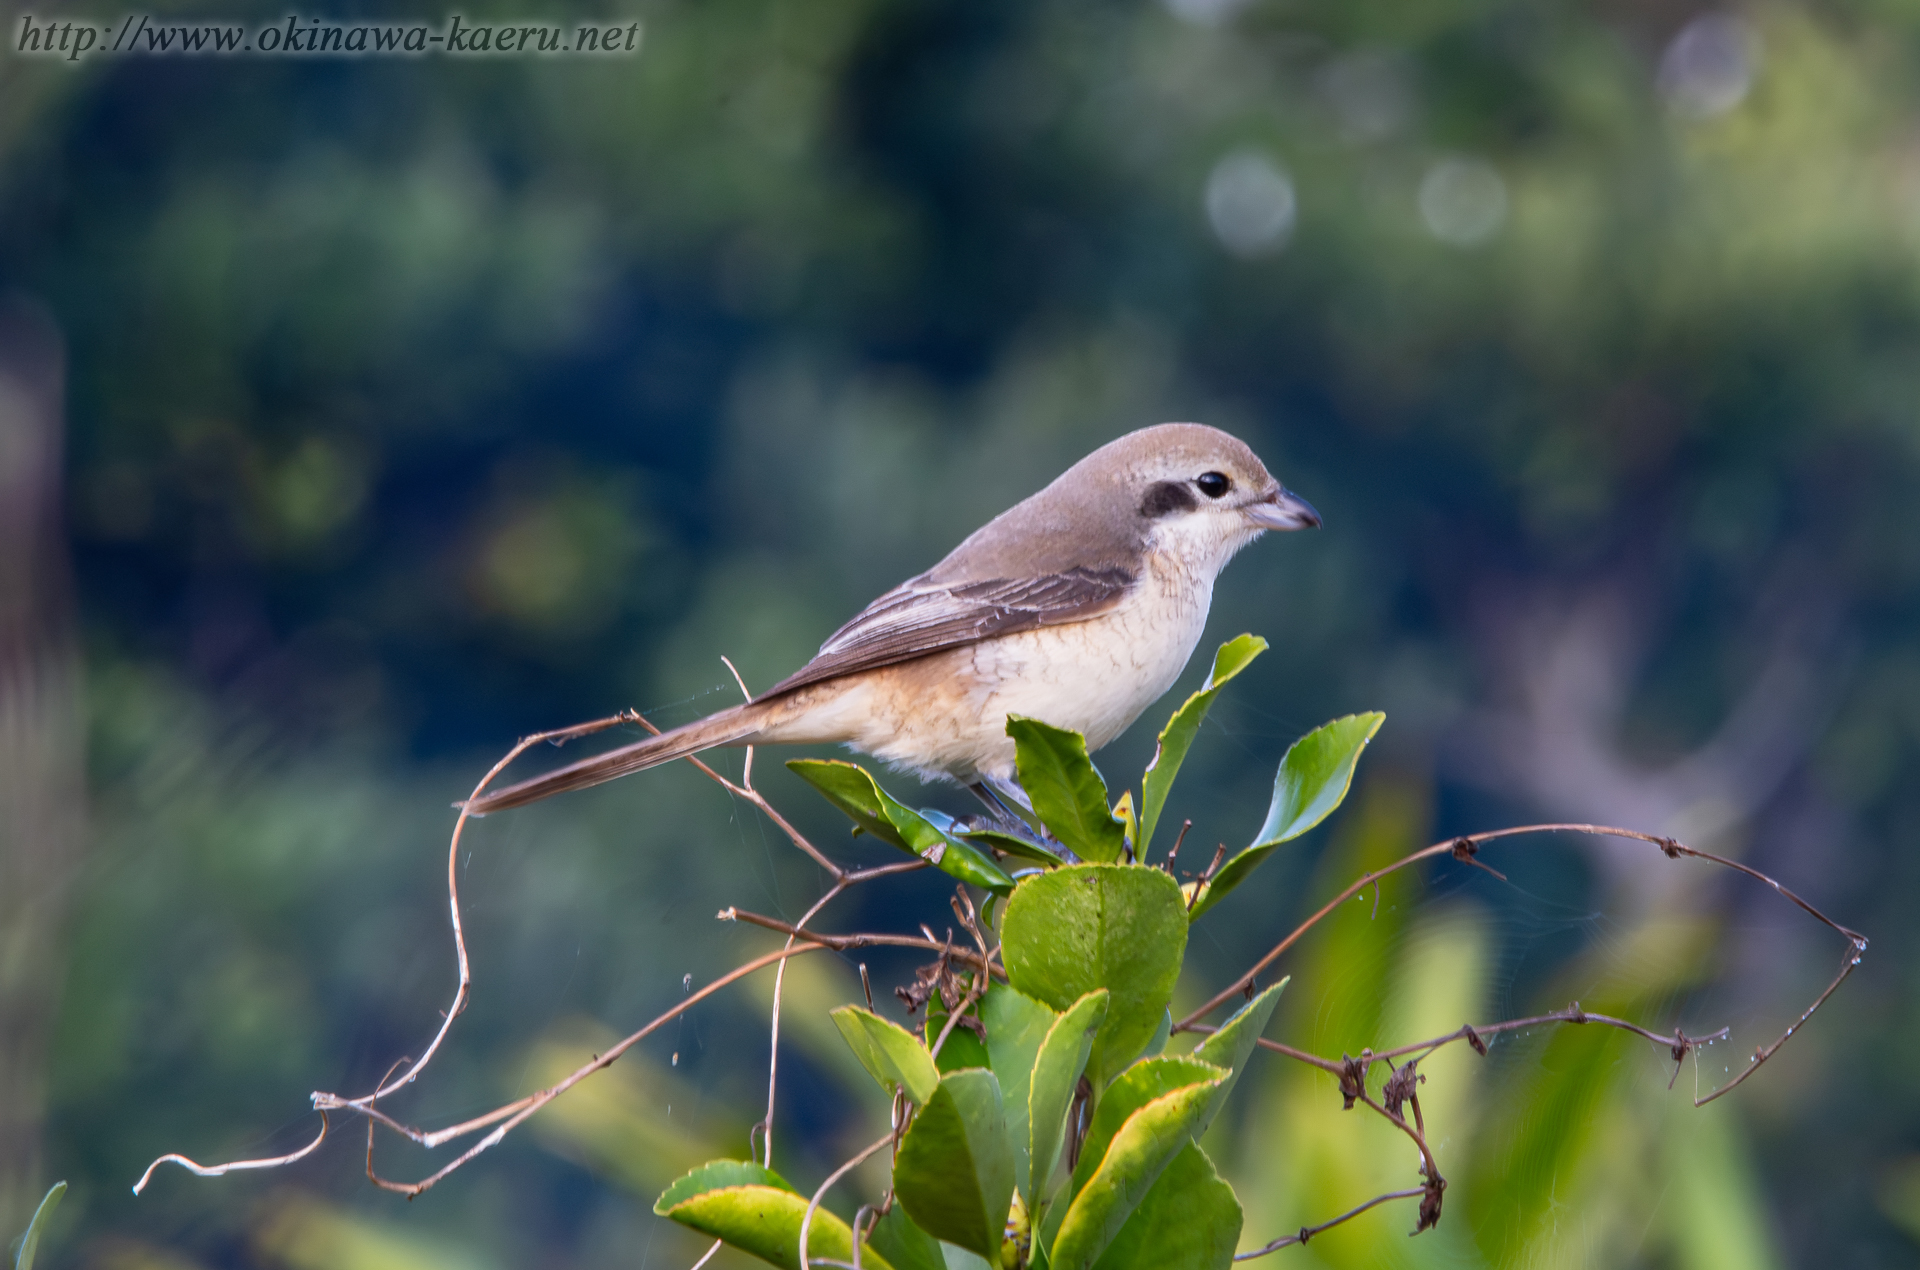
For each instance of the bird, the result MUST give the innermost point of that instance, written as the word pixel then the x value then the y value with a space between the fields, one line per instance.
pixel 1078 606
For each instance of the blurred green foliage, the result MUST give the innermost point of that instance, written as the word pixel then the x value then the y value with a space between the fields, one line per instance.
pixel 415 406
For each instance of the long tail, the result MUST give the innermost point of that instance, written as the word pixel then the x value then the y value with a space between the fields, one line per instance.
pixel 728 727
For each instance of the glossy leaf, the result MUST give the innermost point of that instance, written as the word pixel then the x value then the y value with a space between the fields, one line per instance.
pixel 1161 1034
pixel 37 1226
pixel 755 1210
pixel 1016 1027
pixel 1236 1040
pixel 854 791
pixel 954 1172
pixel 903 1244
pixel 961 1048
pixel 894 1056
pixel 1133 1089
pixel 1190 1220
pixel 1313 779
pixel 1012 844
pixel 1176 738
pixel 717 1175
pixel 1067 793
pixel 1132 1163
pixel 1056 1073
pixel 1089 926
pixel 952 853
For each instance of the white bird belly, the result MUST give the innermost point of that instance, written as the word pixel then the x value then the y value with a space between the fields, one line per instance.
pixel 946 715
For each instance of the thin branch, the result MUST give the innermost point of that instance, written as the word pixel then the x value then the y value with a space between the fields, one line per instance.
pixel 751 795
pixel 216 1170
pixel 559 736
pixel 979 989
pixel 842 943
pixel 1847 967
pixel 779 982
pixel 1679 1042
pixel 517 1111
pixel 813 1205
pixel 1465 848
pixel 1307 1232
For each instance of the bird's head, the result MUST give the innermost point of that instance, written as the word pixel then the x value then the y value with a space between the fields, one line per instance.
pixel 1179 488
pixel 1198 491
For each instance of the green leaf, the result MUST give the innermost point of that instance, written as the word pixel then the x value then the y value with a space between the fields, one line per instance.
pixel 1091 926
pixel 904 1244
pixel 718 1175
pixel 951 853
pixel 1132 1163
pixel 1313 779
pixel 1056 1073
pixel 961 1049
pixel 853 790
pixel 1161 1034
pixel 954 1172
pixel 1017 1025
pixel 894 1055
pixel 1133 1089
pixel 1012 844
pixel 755 1210
pixel 37 1226
pixel 1190 1220
pixel 1234 1043
pixel 1067 793
pixel 1177 737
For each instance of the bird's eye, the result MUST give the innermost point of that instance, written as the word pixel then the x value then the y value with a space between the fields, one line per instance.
pixel 1213 484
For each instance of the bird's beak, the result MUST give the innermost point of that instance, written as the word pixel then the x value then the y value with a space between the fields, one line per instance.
pixel 1282 510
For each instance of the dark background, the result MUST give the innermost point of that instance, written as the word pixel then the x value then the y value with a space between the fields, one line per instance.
pixel 363 416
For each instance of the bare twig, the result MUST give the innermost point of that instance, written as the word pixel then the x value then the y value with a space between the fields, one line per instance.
pixel 1307 1232
pixel 1352 1073
pixel 559 736
pixel 1174 854
pixel 1465 848
pixel 979 989
pixel 779 982
pixel 515 1112
pixel 813 1205
pixel 235 1166
pixel 841 943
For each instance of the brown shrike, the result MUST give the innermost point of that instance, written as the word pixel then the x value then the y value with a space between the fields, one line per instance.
pixel 1079 606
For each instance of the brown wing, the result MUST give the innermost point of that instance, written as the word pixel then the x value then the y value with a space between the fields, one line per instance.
pixel 917 618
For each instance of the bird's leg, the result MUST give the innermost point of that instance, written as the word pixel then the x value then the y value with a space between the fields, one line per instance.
pixel 1009 805
pixel 1012 813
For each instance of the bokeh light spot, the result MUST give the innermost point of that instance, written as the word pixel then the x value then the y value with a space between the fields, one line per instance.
pixel 1250 203
pixel 1463 201
pixel 1710 66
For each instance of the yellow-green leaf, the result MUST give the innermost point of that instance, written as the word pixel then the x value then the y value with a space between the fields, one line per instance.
pixel 1313 780
pixel 1056 1073
pixel 894 1056
pixel 1090 926
pixel 1016 1025
pixel 1190 1220
pixel 1067 793
pixel 1176 738
pixel 753 1209
pixel 954 1172
pixel 1132 1163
